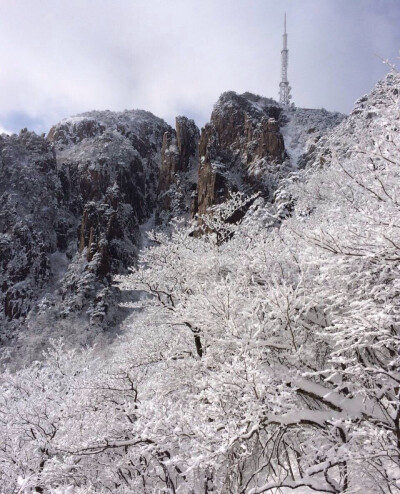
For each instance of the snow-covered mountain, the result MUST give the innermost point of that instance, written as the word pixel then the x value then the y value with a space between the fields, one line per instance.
pixel 251 144
pixel 71 206
pixel 72 202
pixel 368 114
pixel 262 352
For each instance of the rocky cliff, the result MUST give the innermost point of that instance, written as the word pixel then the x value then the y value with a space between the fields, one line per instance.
pixel 71 203
pixel 178 171
pixel 71 206
pixel 31 222
pixel 251 143
pixel 239 149
pixel 108 164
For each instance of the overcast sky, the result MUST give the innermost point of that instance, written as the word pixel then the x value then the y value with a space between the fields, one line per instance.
pixel 63 57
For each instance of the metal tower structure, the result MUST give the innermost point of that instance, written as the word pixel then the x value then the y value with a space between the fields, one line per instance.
pixel 284 87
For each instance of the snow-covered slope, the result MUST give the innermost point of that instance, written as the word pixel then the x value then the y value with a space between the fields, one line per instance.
pixel 369 113
pixel 304 128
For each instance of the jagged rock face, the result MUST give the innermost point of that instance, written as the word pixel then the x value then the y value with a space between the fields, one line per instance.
pixel 71 204
pixel 252 143
pixel 70 210
pixel 211 186
pixel 109 165
pixel 269 141
pixel 30 221
pixel 109 162
pixel 98 149
pixel 187 138
pixel 169 160
pixel 178 172
pixel 239 149
pixel 245 126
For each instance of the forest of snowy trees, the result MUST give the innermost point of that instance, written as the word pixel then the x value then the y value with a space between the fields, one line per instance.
pixel 262 355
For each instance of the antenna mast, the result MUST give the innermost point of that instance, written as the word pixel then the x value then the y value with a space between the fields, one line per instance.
pixel 284 87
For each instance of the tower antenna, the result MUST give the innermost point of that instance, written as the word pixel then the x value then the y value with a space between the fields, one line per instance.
pixel 284 87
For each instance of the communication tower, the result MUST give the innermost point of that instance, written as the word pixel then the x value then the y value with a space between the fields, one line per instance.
pixel 284 87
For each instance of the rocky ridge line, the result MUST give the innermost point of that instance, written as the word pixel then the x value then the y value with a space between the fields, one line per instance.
pixel 73 221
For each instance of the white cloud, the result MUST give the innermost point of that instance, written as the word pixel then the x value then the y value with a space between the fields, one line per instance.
pixel 177 56
pixel 4 131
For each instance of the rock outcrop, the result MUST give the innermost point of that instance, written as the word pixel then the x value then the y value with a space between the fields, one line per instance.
pixel 32 222
pixel 109 163
pixel 251 144
pixel 71 204
pixel 240 149
pixel 178 172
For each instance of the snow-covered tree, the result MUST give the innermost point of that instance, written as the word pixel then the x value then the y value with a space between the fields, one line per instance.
pixel 262 356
